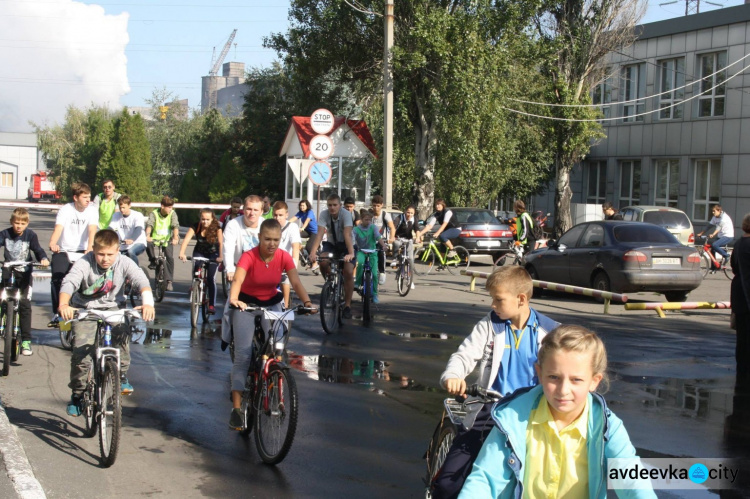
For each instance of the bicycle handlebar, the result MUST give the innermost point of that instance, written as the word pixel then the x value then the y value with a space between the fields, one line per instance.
pixel 108 316
pixel 21 263
pixel 485 394
pixel 299 309
pixel 198 258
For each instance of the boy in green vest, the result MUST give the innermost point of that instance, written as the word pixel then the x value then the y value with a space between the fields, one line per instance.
pixel 163 229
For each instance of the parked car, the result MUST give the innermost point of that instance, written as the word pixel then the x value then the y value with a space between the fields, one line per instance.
pixel 621 257
pixel 481 231
pixel 672 219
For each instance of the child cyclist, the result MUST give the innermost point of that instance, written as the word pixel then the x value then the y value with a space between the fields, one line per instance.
pixel 367 236
pixel 505 343
pixel 20 242
pixel 554 439
pixel 209 243
pixel 93 283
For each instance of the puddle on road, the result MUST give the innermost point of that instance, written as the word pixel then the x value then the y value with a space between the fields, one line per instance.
pixel 434 336
pixel 350 371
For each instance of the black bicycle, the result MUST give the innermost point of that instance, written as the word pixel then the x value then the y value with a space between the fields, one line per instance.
pixel 270 403
pixel 160 279
pixel 101 403
pixel 404 271
pixel 367 290
pixel 10 297
pixel 199 291
pixel 332 296
pixel 447 429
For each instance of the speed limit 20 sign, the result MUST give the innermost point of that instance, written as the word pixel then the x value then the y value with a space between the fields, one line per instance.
pixel 321 147
pixel 321 121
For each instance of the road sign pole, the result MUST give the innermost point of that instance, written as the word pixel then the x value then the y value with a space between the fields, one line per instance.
pixel 388 106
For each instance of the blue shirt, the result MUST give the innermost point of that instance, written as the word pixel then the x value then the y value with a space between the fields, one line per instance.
pixel 312 227
pixel 519 355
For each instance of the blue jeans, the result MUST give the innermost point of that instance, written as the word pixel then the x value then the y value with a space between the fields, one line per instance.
pixel 716 246
pixel 135 250
pixel 449 234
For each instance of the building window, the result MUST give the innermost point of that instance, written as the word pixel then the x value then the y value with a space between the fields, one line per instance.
pixel 6 180
pixel 667 182
pixel 634 83
pixel 711 101
pixel 707 187
pixel 672 73
pixel 630 183
pixel 596 182
pixel 602 97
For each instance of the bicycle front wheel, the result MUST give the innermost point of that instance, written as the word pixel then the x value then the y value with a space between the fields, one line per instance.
pixel 728 271
pixel 160 284
pixel 439 446
pixel 366 298
pixel 276 416
pixel 8 343
pixel 329 307
pixel 404 278
pixel 195 304
pixel 224 284
pixel 88 407
pixel 459 262
pixel 110 414
pixel 424 262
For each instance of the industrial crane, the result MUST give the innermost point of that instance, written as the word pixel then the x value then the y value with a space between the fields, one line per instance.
pixel 224 52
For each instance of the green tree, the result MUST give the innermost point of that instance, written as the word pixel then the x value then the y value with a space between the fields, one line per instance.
pixel 129 157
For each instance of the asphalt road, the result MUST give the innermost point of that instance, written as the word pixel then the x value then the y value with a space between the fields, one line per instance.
pixel 369 396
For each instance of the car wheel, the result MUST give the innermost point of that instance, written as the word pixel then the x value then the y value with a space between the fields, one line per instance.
pixel 601 283
pixel 676 296
pixel 538 292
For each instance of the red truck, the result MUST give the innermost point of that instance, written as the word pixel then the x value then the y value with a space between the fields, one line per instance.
pixel 42 188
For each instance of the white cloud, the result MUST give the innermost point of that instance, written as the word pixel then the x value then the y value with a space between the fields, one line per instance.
pixel 56 53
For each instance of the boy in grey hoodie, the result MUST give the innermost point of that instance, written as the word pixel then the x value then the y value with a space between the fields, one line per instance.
pixel 92 284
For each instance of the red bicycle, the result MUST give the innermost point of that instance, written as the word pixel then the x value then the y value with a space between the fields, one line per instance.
pixel 710 264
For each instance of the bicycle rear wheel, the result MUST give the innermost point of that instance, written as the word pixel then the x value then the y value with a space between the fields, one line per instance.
pixel 329 307
pixel 705 264
pixel 404 278
pixel 424 262
pixel 276 416
pixel 110 414
pixel 8 343
pixel 366 297
pixel 195 304
pixel 458 262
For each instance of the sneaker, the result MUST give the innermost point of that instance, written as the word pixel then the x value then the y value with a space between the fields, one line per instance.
pixel 394 264
pixel 74 406
pixel 169 286
pixel 125 387
pixel 724 261
pixel 54 323
pixel 236 420
pixel 152 265
pixel 211 310
pixel 413 286
pixel 347 313
pixel 375 299
pixel 381 279
pixel 451 254
pixel 26 348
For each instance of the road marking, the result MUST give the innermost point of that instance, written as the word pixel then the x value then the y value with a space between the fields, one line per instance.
pixel 16 462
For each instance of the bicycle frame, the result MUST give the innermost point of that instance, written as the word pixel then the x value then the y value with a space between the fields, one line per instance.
pixel 10 298
pixel 442 258
pixel 200 283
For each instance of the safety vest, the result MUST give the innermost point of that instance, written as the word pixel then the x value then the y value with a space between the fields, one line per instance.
pixel 162 226
pixel 520 226
pixel 106 211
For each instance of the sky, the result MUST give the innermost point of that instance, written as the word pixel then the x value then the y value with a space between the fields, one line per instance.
pixel 56 53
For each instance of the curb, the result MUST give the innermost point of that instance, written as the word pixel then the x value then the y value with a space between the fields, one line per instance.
pixel 16 463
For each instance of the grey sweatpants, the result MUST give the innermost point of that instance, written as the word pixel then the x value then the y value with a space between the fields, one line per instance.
pixel 84 333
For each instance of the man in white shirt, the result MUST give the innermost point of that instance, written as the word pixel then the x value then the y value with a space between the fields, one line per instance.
pixel 241 233
pixel 75 227
pixel 290 242
pixel 724 229
pixel 130 226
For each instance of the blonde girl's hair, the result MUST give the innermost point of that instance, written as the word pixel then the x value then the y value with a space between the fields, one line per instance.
pixel 572 338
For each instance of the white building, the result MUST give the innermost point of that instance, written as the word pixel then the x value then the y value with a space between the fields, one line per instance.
pixel 19 158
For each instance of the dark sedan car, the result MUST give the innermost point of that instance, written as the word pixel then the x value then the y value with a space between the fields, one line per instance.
pixel 481 232
pixel 621 257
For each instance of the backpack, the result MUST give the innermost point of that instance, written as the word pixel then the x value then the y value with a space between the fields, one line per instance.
pixel 536 230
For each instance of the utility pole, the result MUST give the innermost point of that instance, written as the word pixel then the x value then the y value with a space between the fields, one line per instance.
pixel 388 106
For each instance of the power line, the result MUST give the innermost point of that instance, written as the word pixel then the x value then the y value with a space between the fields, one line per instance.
pixel 170 5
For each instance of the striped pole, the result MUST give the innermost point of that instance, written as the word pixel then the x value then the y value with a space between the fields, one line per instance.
pixel 688 305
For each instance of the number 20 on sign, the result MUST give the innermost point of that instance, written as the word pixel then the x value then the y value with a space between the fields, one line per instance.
pixel 321 147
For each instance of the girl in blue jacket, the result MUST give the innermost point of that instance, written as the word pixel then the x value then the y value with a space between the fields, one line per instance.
pixel 554 440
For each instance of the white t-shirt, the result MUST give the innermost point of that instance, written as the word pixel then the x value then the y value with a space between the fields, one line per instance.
pixel 289 236
pixel 130 227
pixel 75 234
pixel 238 238
pixel 725 225
pixel 381 221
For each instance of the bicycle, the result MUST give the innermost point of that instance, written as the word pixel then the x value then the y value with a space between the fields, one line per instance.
pixel 447 430
pixel 160 280
pixel 425 260
pixel 709 263
pixel 198 291
pixel 270 402
pixel 101 403
pixel 332 295
pixel 367 290
pixel 128 291
pixel 9 324
pixel 404 273
pixel 514 257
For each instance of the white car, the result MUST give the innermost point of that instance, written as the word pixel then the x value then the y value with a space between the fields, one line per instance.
pixel 672 219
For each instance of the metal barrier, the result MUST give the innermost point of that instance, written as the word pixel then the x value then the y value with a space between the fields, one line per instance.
pixel 607 296
pixel 688 305
pixel 53 206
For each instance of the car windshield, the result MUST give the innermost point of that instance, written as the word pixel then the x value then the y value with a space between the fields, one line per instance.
pixel 475 217
pixel 668 219
pixel 639 233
